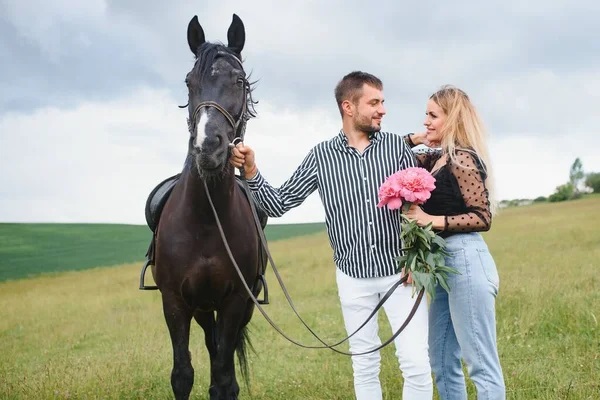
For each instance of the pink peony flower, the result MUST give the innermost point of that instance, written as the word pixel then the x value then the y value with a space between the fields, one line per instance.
pixel 412 185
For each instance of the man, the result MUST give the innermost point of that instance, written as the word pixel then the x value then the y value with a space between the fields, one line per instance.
pixel 347 170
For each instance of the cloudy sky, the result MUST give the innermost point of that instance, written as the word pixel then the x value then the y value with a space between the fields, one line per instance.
pixel 89 122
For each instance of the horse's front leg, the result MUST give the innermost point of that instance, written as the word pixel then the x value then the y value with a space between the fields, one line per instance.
pixel 178 317
pixel 230 326
pixel 207 321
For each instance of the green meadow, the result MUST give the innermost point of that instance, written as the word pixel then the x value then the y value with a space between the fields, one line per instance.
pixel 89 333
pixel 28 250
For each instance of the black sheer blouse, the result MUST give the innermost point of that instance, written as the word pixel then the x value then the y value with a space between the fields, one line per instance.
pixel 460 194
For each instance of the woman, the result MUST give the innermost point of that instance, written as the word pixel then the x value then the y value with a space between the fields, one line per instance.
pixel 461 323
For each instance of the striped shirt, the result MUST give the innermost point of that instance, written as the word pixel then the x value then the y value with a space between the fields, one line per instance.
pixel 365 239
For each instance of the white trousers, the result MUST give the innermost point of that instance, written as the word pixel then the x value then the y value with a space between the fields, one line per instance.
pixel 359 297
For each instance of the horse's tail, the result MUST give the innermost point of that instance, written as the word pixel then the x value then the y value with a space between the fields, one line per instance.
pixel 241 349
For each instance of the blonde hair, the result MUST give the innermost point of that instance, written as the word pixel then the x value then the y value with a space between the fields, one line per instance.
pixel 464 130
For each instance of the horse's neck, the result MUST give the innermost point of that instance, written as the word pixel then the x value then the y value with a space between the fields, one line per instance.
pixel 220 189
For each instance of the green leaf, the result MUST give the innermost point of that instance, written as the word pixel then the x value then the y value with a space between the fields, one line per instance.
pixel 439 259
pixel 413 261
pixel 430 260
pixel 438 240
pixel 410 255
pixel 401 260
pixel 443 283
pixel 423 281
pixel 430 287
pixel 430 235
pixel 421 255
pixel 448 270
pixel 420 279
pixel 422 235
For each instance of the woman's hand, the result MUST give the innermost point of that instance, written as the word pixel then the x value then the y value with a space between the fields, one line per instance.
pixel 421 138
pixel 417 214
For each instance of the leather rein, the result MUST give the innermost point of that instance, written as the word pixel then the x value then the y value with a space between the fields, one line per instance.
pixel 239 127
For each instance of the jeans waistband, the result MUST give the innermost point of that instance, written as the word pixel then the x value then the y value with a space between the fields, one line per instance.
pixel 467 239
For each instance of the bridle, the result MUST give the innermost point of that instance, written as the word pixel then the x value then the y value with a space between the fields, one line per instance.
pixel 239 127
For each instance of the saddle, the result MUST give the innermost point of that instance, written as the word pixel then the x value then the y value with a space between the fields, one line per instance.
pixel 160 194
pixel 154 205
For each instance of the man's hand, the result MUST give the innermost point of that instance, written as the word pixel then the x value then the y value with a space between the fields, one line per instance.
pixel 243 156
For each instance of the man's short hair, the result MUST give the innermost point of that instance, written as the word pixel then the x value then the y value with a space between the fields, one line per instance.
pixel 350 87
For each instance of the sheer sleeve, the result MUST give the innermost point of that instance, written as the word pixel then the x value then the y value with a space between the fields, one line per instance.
pixel 470 176
pixel 426 158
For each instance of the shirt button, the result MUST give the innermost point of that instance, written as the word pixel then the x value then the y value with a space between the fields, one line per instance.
pixel 370 222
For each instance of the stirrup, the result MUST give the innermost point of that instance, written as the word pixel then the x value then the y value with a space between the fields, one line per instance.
pixel 265 299
pixel 143 274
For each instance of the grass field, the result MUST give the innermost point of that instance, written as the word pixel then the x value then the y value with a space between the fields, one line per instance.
pixel 92 335
pixel 27 250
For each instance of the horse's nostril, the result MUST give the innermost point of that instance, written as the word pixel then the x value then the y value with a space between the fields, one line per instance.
pixel 214 142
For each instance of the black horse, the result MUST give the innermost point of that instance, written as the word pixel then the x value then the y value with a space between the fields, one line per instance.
pixel 192 269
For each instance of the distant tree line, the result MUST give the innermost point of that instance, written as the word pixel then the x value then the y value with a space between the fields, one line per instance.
pixel 579 183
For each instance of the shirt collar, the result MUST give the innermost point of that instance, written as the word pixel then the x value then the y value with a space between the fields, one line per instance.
pixel 374 137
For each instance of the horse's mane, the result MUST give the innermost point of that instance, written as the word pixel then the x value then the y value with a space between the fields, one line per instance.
pixel 206 55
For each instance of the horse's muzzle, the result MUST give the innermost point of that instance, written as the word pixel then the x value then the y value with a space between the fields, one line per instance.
pixel 210 163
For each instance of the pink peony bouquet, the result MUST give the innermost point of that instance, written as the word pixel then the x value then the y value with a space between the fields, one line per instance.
pixel 410 185
pixel 423 250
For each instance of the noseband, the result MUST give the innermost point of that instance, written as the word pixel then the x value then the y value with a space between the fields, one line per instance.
pixel 239 125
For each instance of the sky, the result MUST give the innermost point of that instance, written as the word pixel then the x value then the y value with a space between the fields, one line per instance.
pixel 89 122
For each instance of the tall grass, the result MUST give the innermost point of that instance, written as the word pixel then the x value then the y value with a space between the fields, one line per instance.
pixel 93 335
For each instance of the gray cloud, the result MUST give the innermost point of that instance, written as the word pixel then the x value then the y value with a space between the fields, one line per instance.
pixel 82 70
pixel 300 51
pixel 88 90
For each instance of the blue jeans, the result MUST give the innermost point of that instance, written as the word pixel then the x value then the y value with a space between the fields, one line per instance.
pixel 462 324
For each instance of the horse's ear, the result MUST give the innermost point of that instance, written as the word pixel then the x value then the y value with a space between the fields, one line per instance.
pixel 236 35
pixel 195 35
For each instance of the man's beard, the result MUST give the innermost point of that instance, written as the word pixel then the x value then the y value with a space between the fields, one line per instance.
pixel 365 124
